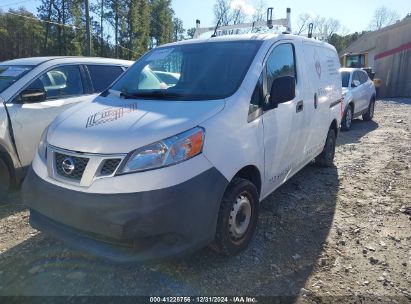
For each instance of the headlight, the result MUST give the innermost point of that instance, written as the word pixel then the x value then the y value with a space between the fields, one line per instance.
pixel 42 150
pixel 166 152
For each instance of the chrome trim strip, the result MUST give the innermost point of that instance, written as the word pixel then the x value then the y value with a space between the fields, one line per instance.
pixel 90 174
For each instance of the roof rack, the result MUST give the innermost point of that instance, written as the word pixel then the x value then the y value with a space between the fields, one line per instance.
pixel 270 22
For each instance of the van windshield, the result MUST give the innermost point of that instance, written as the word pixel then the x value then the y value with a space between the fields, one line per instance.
pixel 199 71
pixel 345 78
pixel 9 74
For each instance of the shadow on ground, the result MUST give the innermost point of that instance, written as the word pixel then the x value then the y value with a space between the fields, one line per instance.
pixel 359 129
pixel 11 205
pixel 293 226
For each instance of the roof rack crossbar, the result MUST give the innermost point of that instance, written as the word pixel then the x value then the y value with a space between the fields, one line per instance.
pixel 285 22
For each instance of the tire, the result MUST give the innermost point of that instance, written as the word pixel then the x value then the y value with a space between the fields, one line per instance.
pixel 326 158
pixel 347 119
pixel 5 180
pixel 237 218
pixel 370 113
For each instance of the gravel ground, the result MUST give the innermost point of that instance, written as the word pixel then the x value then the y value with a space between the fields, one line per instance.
pixel 328 232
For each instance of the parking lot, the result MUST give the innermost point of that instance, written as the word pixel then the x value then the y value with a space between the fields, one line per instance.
pixel 335 231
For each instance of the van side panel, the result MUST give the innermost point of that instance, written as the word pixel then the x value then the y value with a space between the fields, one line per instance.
pixel 324 85
pixel 231 143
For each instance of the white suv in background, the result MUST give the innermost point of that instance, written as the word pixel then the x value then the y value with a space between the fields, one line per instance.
pixel 359 96
pixel 33 91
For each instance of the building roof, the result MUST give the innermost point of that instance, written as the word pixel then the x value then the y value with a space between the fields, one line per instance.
pixel 368 41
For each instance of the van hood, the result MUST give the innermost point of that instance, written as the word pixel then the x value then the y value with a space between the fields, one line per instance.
pixel 111 124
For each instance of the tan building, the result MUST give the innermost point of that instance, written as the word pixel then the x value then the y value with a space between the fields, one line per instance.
pixel 389 54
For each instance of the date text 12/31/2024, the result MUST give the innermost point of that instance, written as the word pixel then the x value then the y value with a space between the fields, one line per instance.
pixel 199 299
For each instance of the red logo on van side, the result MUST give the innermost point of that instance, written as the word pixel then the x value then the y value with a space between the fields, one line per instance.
pixel 317 64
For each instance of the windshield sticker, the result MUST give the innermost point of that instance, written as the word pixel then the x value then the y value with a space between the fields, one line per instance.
pixel 109 114
pixel 160 54
pixel 13 72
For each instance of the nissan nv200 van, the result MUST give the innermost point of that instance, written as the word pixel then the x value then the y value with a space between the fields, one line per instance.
pixel 147 171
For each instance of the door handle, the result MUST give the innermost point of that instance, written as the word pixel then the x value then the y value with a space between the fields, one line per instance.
pixel 315 101
pixel 300 106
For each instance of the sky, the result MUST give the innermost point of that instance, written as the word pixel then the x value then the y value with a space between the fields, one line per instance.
pixel 354 15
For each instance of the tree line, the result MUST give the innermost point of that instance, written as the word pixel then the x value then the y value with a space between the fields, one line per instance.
pixel 119 28
pixel 128 28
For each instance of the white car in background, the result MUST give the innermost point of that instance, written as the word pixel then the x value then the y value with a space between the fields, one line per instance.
pixel 359 96
pixel 33 91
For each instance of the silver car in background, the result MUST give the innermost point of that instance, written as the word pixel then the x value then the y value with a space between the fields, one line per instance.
pixel 359 96
pixel 33 91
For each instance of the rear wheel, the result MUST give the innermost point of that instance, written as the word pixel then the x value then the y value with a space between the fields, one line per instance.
pixel 347 119
pixel 237 217
pixel 326 158
pixel 370 113
pixel 5 180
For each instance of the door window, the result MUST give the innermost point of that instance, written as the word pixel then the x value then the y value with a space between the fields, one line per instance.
pixel 64 81
pixel 257 98
pixel 103 75
pixel 363 77
pixel 281 63
pixel 356 77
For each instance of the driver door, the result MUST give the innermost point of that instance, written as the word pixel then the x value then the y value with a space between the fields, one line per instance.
pixel 63 87
pixel 283 126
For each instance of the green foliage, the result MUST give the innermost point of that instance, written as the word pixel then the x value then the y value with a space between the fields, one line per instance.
pixel 178 29
pixel 119 28
pixel 191 32
pixel 19 37
pixel 342 42
pixel 161 21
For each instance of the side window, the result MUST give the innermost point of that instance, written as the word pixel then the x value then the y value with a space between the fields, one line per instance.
pixel 103 75
pixel 64 81
pixel 280 63
pixel 257 97
pixel 364 77
pixel 356 77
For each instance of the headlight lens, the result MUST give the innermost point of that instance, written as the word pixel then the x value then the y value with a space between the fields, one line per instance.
pixel 42 150
pixel 166 152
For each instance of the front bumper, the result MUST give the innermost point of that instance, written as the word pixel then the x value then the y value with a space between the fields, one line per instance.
pixel 131 226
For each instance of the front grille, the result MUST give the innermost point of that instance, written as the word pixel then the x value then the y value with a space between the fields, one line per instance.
pixel 79 164
pixel 110 165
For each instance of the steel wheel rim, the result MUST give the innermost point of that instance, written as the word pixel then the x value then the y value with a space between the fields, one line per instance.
pixel 348 118
pixel 240 216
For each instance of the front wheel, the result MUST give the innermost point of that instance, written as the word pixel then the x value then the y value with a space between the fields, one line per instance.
pixel 237 217
pixel 326 158
pixel 370 113
pixel 347 119
pixel 5 180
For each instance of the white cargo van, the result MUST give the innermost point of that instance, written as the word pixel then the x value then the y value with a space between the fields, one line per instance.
pixel 146 171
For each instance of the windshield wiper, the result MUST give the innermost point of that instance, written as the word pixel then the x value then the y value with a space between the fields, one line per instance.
pixel 151 94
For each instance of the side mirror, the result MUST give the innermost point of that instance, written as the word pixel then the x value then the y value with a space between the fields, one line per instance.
pixel 34 93
pixel 282 90
pixel 355 83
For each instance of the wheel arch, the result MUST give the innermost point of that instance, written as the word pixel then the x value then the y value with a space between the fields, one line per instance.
pixel 252 174
pixel 5 156
pixel 334 126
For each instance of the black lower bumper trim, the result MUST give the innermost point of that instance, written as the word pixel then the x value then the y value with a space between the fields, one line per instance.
pixel 134 226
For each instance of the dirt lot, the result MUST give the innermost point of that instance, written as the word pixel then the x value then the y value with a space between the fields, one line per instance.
pixel 326 233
